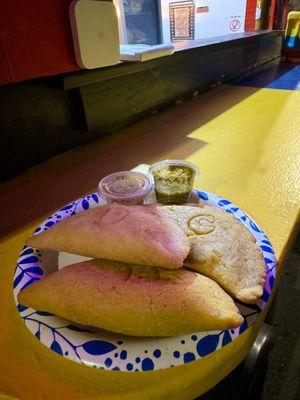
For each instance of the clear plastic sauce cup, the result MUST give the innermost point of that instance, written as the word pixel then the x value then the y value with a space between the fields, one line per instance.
pixel 126 187
pixel 174 180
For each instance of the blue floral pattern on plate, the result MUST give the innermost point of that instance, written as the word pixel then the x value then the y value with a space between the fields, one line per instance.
pixel 115 352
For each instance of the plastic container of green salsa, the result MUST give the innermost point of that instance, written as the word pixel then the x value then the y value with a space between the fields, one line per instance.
pixel 174 180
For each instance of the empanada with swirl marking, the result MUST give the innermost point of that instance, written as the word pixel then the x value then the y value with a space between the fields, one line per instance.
pixel 222 248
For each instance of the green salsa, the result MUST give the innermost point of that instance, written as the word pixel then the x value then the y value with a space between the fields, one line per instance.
pixel 173 183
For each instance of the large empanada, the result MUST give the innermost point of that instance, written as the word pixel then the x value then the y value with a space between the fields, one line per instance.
pixel 222 249
pixel 133 234
pixel 133 300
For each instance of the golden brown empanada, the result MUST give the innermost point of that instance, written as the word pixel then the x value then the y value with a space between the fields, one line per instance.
pixel 222 249
pixel 133 300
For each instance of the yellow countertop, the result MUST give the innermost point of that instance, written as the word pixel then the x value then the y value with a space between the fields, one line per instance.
pixel 246 142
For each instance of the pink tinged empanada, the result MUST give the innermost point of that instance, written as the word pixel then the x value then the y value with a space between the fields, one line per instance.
pixel 133 234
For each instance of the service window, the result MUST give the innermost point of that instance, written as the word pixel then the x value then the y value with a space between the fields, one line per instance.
pixel 140 21
pixel 152 22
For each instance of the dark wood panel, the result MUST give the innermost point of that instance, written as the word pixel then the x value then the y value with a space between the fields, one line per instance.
pixel 42 119
pixel 116 102
pixel 182 51
pixel 37 121
pixel 268 48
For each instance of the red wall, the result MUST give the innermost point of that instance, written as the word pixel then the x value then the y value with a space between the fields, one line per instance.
pixel 250 15
pixel 35 39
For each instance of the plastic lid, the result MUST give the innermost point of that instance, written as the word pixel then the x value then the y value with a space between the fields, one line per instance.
pixel 178 163
pixel 125 186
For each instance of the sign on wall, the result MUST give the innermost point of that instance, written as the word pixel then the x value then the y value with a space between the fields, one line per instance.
pixel 153 22
pixel 206 18
pixel 182 20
